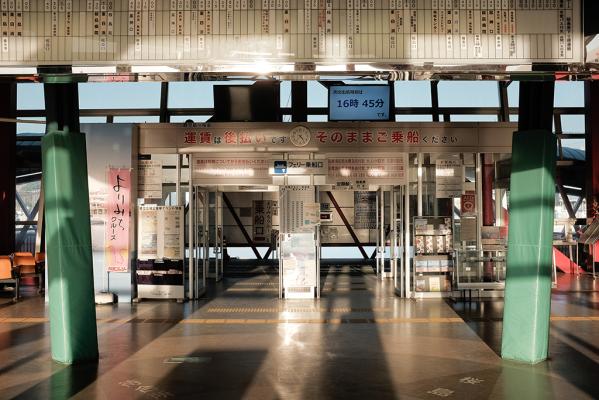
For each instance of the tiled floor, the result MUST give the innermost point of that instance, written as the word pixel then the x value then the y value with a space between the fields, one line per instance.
pixel 358 341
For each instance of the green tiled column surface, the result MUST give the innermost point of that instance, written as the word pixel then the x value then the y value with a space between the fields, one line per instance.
pixel 529 257
pixel 68 248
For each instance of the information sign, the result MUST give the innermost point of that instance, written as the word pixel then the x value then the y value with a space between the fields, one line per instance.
pixel 300 167
pixel 149 179
pixel 449 178
pixel 383 170
pixel 360 103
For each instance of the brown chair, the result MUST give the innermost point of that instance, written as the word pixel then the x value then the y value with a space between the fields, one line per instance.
pixel 25 265
pixel 8 275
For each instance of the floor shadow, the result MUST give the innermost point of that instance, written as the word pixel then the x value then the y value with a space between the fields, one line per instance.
pixel 353 362
pixel 64 383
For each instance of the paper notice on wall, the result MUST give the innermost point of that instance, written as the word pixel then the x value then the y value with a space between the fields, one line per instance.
pixel 382 170
pixel 147 233
pixel 149 181
pixel 449 175
pixel 118 215
pixel 468 229
pixel 160 232
pixel 170 238
pixel 365 210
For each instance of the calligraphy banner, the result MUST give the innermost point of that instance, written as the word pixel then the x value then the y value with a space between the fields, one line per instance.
pixel 118 214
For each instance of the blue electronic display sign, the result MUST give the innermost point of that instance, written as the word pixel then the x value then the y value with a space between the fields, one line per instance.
pixel 359 103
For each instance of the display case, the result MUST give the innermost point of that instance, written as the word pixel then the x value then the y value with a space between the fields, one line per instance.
pixel 433 254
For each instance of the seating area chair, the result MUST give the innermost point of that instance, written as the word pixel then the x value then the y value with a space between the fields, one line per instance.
pixel 8 275
pixel 26 266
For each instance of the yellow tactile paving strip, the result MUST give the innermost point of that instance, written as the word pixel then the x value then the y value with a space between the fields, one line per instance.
pixel 221 321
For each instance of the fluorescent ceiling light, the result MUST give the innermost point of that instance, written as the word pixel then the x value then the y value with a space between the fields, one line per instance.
pixel 18 70
pixel 109 69
pixel 142 69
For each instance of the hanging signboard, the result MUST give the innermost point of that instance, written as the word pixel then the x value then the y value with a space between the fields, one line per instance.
pixel 118 215
pixel 365 210
pixel 384 170
pixel 348 137
pixel 296 208
pixel 231 170
pixel 449 175
pixel 262 211
pixel 149 179
pixel 300 167
pixel 194 32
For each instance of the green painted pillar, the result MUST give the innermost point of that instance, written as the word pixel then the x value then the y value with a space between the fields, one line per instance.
pixel 73 330
pixel 530 241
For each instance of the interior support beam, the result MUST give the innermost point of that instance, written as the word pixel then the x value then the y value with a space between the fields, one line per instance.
pixel 244 232
pixel 347 225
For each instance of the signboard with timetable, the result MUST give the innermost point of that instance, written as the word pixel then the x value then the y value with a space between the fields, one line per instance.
pixel 146 32
pixel 360 103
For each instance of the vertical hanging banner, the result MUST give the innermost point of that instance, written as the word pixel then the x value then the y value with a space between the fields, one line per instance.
pixel 118 214
pixel 449 178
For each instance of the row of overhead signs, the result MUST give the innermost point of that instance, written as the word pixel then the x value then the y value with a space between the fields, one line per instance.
pixel 385 169
pixel 167 31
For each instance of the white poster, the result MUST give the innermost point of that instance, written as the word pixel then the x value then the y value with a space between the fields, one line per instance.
pixel 170 239
pixel 149 181
pixel 449 178
pixel 160 232
pixel 147 233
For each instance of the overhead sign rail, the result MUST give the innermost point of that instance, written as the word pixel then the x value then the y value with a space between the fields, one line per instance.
pixel 176 33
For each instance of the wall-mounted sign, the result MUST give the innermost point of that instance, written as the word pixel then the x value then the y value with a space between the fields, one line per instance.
pixel 300 167
pixel 449 174
pixel 384 170
pixel 298 210
pixel 149 179
pixel 359 103
pixel 231 170
pixel 468 203
pixel 118 215
pixel 110 32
